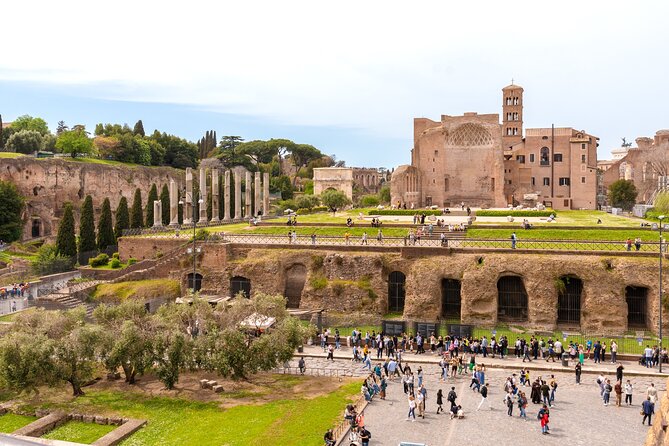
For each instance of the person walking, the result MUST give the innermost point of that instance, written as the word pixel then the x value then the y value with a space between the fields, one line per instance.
pixel 452 396
pixel 508 400
pixel 647 409
pixel 544 422
pixel 545 393
pixel 577 371
pixel 412 409
pixel 554 385
pixel 302 366
pixel 651 392
pixel 522 404
pixel 514 239
pixel 440 401
pixel 618 388
pixel 619 373
pixel 628 393
pixel 330 353
pixel 365 436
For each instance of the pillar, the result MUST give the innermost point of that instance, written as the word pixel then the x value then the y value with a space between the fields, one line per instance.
pixel 214 196
pixel 174 204
pixel 238 196
pixel 157 214
pixel 188 199
pixel 203 196
pixel 247 196
pixel 226 197
pixel 256 194
pixel 265 194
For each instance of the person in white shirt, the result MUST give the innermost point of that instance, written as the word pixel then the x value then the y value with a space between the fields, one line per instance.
pixel 628 393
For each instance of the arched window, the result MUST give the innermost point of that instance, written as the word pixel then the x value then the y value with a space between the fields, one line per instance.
pixel 195 285
pixel 36 227
pixel 569 300
pixel 450 298
pixel 636 297
pixel 240 284
pixel 544 158
pixel 396 291
pixel 511 299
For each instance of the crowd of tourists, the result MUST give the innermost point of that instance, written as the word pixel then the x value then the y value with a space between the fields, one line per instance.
pixel 15 290
pixel 458 357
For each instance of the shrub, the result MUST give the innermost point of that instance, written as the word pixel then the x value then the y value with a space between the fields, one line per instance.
pixel 48 261
pixel 307 201
pixel 318 282
pixel 99 260
pixel 201 234
pixel 512 213
pixel 115 263
pixel 115 255
pixel 303 211
pixel 369 201
pixel 403 212
pixel 287 204
pixel 132 261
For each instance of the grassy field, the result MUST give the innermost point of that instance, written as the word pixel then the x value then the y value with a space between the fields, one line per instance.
pixel 572 218
pixel 11 422
pixel 11 316
pixel 79 432
pixel 10 155
pixel 177 421
pixel 564 234
pixel 141 289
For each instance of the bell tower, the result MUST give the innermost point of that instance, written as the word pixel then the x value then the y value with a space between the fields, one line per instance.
pixel 512 115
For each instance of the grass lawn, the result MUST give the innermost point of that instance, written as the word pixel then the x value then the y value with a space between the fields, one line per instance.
pixel 11 316
pixel 141 289
pixel 11 422
pixel 10 155
pixel 175 421
pixel 323 230
pixel 108 266
pixel 79 432
pixel 571 218
pixel 564 234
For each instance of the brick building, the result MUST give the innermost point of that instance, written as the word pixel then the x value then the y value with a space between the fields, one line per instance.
pixel 474 159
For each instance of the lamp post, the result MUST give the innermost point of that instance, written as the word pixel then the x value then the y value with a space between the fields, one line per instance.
pixel 661 218
pixel 200 202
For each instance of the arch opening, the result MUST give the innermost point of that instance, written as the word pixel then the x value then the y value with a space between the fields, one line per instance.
pixel 569 300
pixel 637 306
pixel 195 285
pixel 451 298
pixel 240 284
pixel 396 291
pixel 296 277
pixel 511 299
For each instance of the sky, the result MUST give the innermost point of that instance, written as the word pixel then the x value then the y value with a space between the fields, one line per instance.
pixel 347 77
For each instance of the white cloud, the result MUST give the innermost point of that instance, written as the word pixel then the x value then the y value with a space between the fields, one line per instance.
pixel 372 65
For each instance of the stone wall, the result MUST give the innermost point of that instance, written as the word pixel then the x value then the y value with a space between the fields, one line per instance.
pixel 353 279
pixel 48 183
pixel 657 434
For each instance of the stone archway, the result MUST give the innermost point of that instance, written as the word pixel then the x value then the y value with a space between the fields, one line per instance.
pixel 240 284
pixel 569 300
pixel 451 301
pixel 194 285
pixel 296 276
pixel 396 291
pixel 637 306
pixel 511 299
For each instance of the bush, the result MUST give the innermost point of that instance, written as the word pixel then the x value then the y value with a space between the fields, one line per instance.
pixel 307 201
pixel 201 234
pixel 132 261
pixel 115 263
pixel 115 255
pixel 99 260
pixel 367 201
pixel 512 213
pixel 303 211
pixel 403 212
pixel 48 261
pixel 287 204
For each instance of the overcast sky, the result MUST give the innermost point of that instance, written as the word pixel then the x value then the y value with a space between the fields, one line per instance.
pixel 348 76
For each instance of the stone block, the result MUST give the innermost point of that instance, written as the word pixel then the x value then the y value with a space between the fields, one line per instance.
pixel 120 433
pixel 217 389
pixel 101 420
pixel 204 383
pixel 116 421
pixel 88 419
pixel 76 417
pixel 211 384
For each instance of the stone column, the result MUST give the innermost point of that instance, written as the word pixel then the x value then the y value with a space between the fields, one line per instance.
pixel 265 194
pixel 188 199
pixel 226 197
pixel 214 196
pixel 256 194
pixel 157 214
pixel 238 196
pixel 203 195
pixel 174 204
pixel 247 196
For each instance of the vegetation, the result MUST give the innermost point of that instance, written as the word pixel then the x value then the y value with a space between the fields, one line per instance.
pixel 25 141
pixel 75 142
pixel 141 290
pixel 153 196
pixel 404 212
pixel 165 203
pixel 66 242
pixel 334 199
pixel 87 227
pixel 136 214
pixel 564 234
pixel 49 261
pixel 99 260
pixel 11 207
pixel 369 200
pixel 515 213
pixel 622 194
pixel 11 422
pixel 28 123
pixel 79 432
pixel 106 235
pixel 122 217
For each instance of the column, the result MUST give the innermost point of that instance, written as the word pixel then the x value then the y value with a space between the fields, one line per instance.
pixel 214 196
pixel 174 204
pixel 238 196
pixel 265 194
pixel 203 195
pixel 247 196
pixel 226 197
pixel 157 214
pixel 256 194
pixel 188 199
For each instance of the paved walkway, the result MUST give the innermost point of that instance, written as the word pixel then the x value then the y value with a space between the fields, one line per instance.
pixel 578 418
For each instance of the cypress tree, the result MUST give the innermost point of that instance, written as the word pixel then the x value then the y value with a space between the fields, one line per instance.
pixel 153 196
pixel 105 228
pixel 87 226
pixel 139 129
pixel 66 242
pixel 165 201
pixel 196 199
pixel 221 198
pixel 2 144
pixel 122 217
pixel 136 217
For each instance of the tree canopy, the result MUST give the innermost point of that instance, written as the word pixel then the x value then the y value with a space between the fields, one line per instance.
pixel 66 242
pixel 622 194
pixel 11 208
pixel 334 199
pixel 24 141
pixel 75 142
pixel 27 122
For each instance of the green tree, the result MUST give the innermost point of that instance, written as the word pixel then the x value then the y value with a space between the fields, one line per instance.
pixel 24 141
pixel 156 151
pixel 307 201
pixel 105 227
pixel 384 194
pixel 302 154
pixel 136 217
pixel 11 207
pixel 75 142
pixel 87 226
pixel 179 153
pixel 27 122
pixel 622 194
pixel 282 184
pixel 259 151
pixel 165 203
pixel 25 360
pixel 139 129
pixel 122 217
pixel 334 199
pixel 48 261
pixel 153 196
pixel 66 241
pixel 171 354
pixel 61 128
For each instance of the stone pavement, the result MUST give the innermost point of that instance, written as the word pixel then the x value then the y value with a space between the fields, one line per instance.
pixel 578 418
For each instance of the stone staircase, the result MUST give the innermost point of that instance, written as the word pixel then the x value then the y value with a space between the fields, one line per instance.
pixel 64 297
pixel 147 266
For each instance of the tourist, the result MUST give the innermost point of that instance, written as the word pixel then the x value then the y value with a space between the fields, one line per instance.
pixel 647 410
pixel 420 400
pixel 607 392
pixel 597 349
pixel 648 356
pixel 484 397
pixel 545 393
pixel 379 236
pixel 619 373
pixel 651 393
pixel 628 244
pixel 603 357
pixel 354 437
pixel 365 436
pixel 554 385
pixel 364 238
pixel 544 421
pixel 628 393
pixel 514 239
pixel 347 238
pixel 522 404
pixel 618 388
pixel 452 396
pixel 577 371
pixel 329 438
pixel 383 387
pixel 637 243
pixel 412 409
pixel 313 238
pixel 508 400
pixel 330 353
pixel 302 366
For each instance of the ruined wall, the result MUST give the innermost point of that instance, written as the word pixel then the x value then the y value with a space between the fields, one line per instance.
pixel 48 183
pixel 356 280
pixel 657 433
